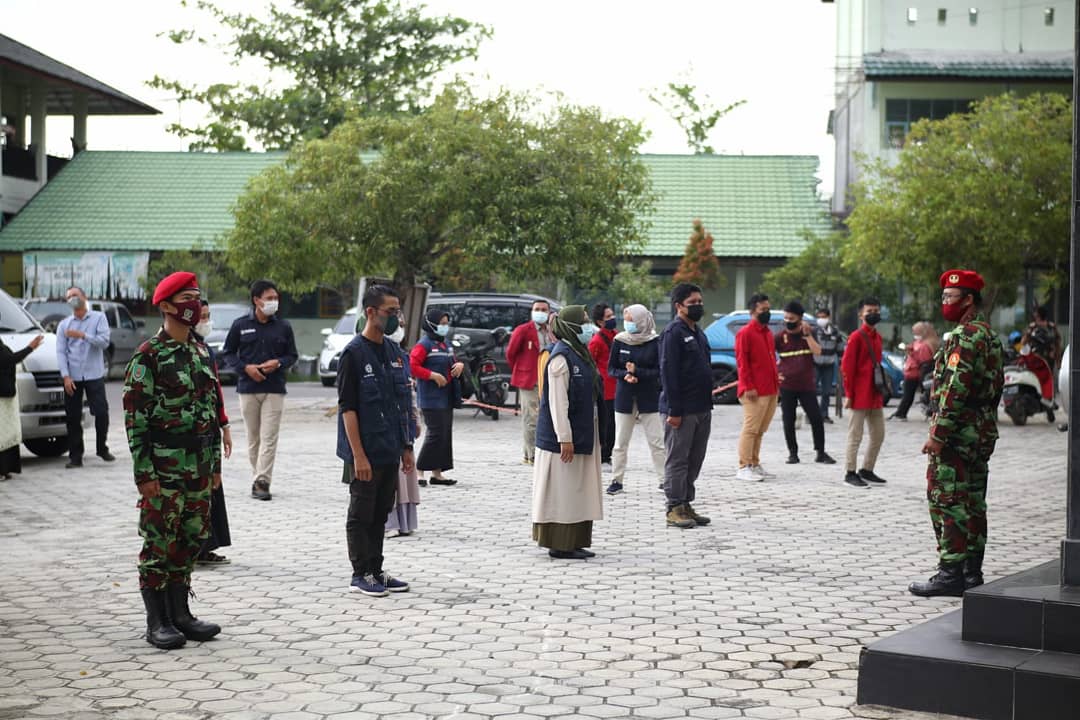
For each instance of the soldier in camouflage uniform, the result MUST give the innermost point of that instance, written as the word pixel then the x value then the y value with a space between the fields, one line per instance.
pixel 171 415
pixel 967 388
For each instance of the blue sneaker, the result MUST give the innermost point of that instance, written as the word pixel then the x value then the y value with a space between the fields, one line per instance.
pixel 614 488
pixel 368 585
pixel 392 584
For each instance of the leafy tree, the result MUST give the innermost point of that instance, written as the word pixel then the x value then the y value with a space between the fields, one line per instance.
pixel 697 119
pixel 488 186
pixel 335 56
pixel 987 190
pixel 217 280
pixel 699 265
pixel 635 283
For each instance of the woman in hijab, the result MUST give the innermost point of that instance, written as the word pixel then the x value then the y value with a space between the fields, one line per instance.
pixel 433 365
pixel 10 422
pixel 567 492
pixel 635 365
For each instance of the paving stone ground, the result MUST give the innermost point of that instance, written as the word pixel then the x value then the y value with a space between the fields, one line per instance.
pixel 760 615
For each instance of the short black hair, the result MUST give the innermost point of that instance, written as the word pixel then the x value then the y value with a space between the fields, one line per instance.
pixel 680 292
pixel 259 287
pixel 756 298
pixel 822 311
pixel 375 294
pixel 204 302
pixel 1042 312
pixel 598 311
pixel 795 307
pixel 541 300
pixel 869 300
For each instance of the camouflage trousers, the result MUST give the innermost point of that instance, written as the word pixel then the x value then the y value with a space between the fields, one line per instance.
pixel 956 489
pixel 174 524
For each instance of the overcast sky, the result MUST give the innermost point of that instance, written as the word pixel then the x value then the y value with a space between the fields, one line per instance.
pixel 775 54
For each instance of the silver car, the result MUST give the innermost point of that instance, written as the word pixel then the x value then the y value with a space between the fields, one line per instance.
pixel 125 332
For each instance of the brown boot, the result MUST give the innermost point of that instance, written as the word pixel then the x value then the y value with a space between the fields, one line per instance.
pixel 679 517
pixel 698 519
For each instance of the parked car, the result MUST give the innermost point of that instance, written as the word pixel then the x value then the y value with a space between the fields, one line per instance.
pixel 335 340
pixel 721 336
pixel 125 332
pixel 37 378
pixel 223 315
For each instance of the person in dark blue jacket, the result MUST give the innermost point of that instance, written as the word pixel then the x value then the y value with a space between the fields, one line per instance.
pixel 434 366
pixel 635 365
pixel 375 436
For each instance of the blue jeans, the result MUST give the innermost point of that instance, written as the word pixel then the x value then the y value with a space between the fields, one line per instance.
pixel 826 379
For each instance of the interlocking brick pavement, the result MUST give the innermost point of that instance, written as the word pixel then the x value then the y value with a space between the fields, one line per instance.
pixel 760 615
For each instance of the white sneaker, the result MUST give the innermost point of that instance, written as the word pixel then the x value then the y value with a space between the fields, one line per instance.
pixel 760 472
pixel 746 472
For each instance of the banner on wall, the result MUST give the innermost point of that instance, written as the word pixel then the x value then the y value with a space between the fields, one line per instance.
pixel 106 275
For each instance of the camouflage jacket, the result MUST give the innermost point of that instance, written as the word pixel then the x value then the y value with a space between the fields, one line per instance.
pixel 169 389
pixel 967 384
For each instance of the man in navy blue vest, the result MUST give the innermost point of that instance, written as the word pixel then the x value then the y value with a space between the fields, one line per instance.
pixel 374 436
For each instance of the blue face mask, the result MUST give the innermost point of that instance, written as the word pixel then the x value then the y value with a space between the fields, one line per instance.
pixel 442 330
pixel 539 317
pixel 629 326
pixel 587 331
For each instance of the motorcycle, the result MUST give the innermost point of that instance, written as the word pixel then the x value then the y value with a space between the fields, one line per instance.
pixel 1022 393
pixel 481 378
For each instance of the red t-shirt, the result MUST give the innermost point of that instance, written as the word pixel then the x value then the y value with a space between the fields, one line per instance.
pixel 755 357
pixel 600 349
pixel 796 362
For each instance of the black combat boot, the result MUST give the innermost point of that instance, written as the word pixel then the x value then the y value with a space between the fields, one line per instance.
pixel 948 581
pixel 192 627
pixel 160 631
pixel 973 571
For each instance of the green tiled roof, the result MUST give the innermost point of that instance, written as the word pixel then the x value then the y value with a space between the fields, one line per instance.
pixel 974 65
pixel 135 201
pixel 754 205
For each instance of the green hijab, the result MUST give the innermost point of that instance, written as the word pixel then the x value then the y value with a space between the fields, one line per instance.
pixel 566 327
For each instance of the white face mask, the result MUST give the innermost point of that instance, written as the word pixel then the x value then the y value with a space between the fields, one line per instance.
pixel 269 307
pixel 823 323
pixel 398 335
pixel 539 317
pixel 917 337
pixel 204 328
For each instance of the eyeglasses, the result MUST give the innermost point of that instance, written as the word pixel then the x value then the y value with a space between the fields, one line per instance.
pixel 951 297
pixel 392 312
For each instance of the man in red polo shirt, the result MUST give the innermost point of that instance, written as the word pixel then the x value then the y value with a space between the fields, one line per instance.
pixel 759 383
pixel 522 353
pixel 861 397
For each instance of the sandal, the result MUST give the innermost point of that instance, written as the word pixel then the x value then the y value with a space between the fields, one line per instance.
pixel 212 558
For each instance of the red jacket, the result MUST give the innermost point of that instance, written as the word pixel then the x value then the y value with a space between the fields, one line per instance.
pixel 857 367
pixel 755 359
pixel 600 349
pixel 522 353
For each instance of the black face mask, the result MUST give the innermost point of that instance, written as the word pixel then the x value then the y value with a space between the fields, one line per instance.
pixel 764 316
pixel 872 318
pixel 695 312
pixel 610 324
pixel 792 325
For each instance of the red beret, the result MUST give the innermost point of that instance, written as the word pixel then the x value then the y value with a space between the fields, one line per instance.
pixel 173 284
pixel 966 279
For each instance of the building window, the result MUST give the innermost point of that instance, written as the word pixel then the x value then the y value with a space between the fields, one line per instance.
pixel 973 16
pixel 942 14
pixel 912 15
pixel 1048 16
pixel 900 114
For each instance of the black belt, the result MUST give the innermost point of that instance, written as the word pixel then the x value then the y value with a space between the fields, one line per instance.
pixel 186 442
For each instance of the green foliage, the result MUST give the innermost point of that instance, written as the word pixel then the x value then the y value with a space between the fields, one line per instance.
pixel 988 190
pixel 817 276
pixel 699 265
pixel 697 119
pixel 217 280
pixel 335 57
pixel 635 283
pixel 469 187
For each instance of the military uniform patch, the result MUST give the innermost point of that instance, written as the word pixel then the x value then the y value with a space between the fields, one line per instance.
pixel 138 372
pixel 954 359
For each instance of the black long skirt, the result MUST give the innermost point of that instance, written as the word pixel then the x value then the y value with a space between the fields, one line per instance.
pixel 219 523
pixel 10 461
pixel 437 452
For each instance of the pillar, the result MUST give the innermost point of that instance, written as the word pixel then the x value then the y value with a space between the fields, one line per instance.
pixel 37 132
pixel 740 287
pixel 80 113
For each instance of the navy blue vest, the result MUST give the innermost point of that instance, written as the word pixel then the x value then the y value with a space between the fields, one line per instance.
pixel 582 405
pixel 440 357
pixel 647 389
pixel 384 405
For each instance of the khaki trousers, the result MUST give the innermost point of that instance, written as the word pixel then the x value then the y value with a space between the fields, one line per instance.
pixel 530 407
pixel 262 420
pixel 875 419
pixel 757 414
pixel 624 429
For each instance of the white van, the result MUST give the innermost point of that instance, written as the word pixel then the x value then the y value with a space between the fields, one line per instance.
pixel 40 387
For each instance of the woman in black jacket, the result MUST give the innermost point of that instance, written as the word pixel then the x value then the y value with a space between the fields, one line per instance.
pixel 635 363
pixel 10 423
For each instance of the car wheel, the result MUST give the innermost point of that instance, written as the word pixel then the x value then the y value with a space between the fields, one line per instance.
pixel 47 447
pixel 724 375
pixel 109 353
pixel 328 381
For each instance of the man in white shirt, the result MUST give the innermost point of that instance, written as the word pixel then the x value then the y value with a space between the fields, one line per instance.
pixel 81 340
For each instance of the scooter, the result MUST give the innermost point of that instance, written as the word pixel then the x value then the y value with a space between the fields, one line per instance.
pixel 481 377
pixel 1022 392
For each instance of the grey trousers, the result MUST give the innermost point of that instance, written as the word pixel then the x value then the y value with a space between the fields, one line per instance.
pixel 685 446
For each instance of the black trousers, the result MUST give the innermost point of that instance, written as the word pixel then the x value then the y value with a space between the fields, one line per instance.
pixel 910 387
pixel 607 430
pixel 99 408
pixel 219 523
pixel 370 503
pixel 789 400
pixel 437 452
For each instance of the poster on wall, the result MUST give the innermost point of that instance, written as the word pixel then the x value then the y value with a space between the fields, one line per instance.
pixel 105 275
